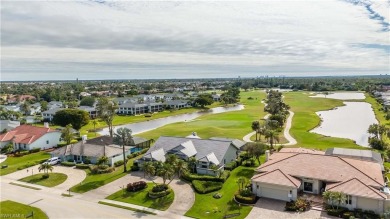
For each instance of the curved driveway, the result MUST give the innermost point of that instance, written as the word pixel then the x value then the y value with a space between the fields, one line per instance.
pixel 75 176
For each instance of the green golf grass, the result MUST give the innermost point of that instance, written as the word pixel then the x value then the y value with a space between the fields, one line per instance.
pixel 15 210
pixel 53 180
pixel 141 198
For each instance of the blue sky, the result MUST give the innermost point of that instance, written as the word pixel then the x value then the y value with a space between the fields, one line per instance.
pixel 55 40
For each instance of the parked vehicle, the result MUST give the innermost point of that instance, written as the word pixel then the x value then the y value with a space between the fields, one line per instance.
pixel 53 161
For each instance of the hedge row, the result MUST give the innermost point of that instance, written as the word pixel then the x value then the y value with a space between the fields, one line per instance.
pixel 231 166
pixel 118 163
pixel 154 195
pixel 136 186
pixel 82 166
pixel 245 200
pixel 190 177
pixel 101 169
pixel 143 151
pixel 204 187
pixel 68 164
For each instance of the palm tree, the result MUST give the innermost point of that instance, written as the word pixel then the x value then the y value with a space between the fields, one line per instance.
pixel 328 197
pixel 45 167
pixel 25 108
pixel 340 198
pixel 167 172
pixel 172 159
pixel 181 166
pixel 192 163
pixel 149 170
pixel 272 136
pixel 102 160
pixel 256 127
pixel 95 123
pixel 241 183
pixel 123 137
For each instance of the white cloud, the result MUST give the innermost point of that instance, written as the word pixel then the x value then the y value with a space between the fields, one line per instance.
pixel 334 36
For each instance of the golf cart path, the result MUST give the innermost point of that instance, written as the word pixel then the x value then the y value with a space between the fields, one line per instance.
pixel 75 176
pixel 286 132
pixel 184 194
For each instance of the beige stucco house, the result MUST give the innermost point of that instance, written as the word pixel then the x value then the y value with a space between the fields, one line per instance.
pixel 294 170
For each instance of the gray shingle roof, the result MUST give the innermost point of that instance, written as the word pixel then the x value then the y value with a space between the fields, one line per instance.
pixel 90 150
pixel 237 143
pixel 203 147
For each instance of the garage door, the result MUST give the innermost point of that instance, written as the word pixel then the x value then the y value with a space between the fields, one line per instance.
pixel 274 193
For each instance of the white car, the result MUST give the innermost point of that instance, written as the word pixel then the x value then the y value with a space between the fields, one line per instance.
pixel 53 161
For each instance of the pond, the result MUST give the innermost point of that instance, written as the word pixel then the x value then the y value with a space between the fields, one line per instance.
pixel 350 121
pixel 342 96
pixel 140 127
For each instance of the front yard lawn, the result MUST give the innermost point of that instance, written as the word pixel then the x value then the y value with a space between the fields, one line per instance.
pixel 10 209
pixel 94 181
pixel 53 180
pixel 19 163
pixel 206 206
pixel 141 198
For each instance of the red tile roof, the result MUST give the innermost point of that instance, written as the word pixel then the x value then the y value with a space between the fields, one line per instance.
pixel 25 134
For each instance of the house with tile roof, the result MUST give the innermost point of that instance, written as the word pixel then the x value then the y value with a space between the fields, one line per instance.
pixel 291 171
pixel 207 152
pixel 27 137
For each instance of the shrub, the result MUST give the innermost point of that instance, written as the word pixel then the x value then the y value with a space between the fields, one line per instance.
pixel 217 195
pixel 45 176
pixel 203 187
pixel 348 214
pixel 190 177
pixel 35 150
pixel 231 166
pixel 245 200
pixel 21 153
pixel 225 175
pixel 68 164
pixel 87 161
pixel 61 144
pixel 157 191
pixel 143 151
pixel 101 169
pixel 246 192
pixel 70 160
pixel 136 186
pixel 118 163
pixel 370 214
pixel 82 166
pixel 336 212
pixel 134 168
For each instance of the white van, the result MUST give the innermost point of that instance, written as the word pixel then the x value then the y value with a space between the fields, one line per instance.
pixel 53 161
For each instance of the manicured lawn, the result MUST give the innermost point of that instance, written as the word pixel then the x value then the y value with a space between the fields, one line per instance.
pixel 141 198
pixel 19 163
pixel 206 206
pixel 379 114
pixel 234 124
pixel 15 210
pixel 93 181
pixel 53 180
pixel 306 119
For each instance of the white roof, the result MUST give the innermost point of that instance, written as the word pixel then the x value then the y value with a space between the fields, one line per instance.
pixel 188 148
pixel 158 155
pixel 212 158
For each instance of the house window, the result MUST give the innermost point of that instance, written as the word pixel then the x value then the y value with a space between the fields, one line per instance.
pixel 47 142
pixel 348 200
pixel 307 187
pixel 257 186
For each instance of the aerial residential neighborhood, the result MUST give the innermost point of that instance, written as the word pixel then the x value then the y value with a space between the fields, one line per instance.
pixel 195 109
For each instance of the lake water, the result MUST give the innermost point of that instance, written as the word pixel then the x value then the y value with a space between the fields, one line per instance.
pixel 350 121
pixel 342 96
pixel 140 127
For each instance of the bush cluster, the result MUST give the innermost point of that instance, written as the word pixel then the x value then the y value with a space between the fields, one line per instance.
pixel 35 150
pixel 21 153
pixel 134 168
pixel 203 187
pixel 300 205
pixel 231 166
pixel 159 191
pixel 82 166
pixel 190 177
pixel 68 164
pixel 135 154
pixel 346 213
pixel 99 169
pixel 118 163
pixel 136 186
pixel 245 200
